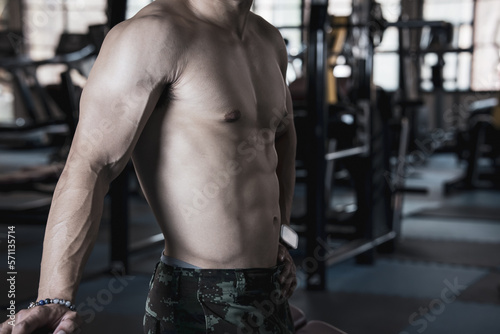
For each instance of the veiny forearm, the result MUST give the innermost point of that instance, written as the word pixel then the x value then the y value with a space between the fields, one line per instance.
pixel 72 229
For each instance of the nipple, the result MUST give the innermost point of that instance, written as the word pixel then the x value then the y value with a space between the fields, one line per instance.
pixel 232 116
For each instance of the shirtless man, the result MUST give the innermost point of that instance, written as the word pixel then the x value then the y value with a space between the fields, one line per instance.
pixel 194 92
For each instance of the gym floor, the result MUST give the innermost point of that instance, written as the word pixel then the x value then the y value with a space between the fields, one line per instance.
pixel 443 278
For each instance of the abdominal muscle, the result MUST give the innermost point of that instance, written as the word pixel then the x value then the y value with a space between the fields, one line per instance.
pixel 215 210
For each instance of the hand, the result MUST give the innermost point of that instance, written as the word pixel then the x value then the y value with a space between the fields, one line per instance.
pixel 288 277
pixel 54 318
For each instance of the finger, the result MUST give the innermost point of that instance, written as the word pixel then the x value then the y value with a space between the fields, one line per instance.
pixel 290 282
pixel 286 285
pixel 281 252
pixel 287 268
pixel 28 321
pixel 289 286
pixel 5 328
pixel 68 325
pixel 73 320
pixel 292 288
pixel 21 315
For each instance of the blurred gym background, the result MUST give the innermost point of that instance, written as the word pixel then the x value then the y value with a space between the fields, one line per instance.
pixel 397 201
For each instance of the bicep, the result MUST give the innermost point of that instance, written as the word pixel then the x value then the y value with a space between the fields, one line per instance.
pixel 116 103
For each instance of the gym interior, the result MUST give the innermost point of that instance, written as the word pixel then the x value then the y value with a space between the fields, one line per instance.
pixel 396 203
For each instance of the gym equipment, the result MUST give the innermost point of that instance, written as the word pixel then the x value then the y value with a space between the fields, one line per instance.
pixel 319 327
pixel 480 140
pixel 316 163
pixel 364 155
pixel 56 117
pixel 49 111
pixel 303 326
pixel 52 112
pixel 298 316
pixel 116 11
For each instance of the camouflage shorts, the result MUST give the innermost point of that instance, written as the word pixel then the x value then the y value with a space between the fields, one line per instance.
pixel 182 300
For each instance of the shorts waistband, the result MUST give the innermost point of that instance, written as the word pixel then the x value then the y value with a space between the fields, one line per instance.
pixel 256 275
pixel 176 263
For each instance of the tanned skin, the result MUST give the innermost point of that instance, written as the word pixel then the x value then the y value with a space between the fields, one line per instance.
pixel 194 92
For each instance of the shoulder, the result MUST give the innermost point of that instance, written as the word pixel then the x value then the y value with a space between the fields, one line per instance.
pixel 153 36
pixel 265 29
pixel 154 25
pixel 272 36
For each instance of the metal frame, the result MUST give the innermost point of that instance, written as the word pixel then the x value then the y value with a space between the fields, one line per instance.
pixel 371 235
pixel 316 115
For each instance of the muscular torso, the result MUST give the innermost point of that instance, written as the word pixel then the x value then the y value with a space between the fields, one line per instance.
pixel 206 158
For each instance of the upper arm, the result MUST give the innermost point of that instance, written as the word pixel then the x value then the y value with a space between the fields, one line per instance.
pixel 287 124
pixel 123 88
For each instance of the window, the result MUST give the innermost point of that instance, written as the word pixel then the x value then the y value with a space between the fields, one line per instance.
pixel 45 21
pixel 340 7
pixel 486 59
pixel 457 69
pixel 5 13
pixel 457 62
pixel 386 58
pixel 286 15
pixel 133 6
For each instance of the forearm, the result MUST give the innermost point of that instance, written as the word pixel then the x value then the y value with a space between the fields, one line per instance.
pixel 72 229
pixel 286 196
pixel 285 147
pixel 116 103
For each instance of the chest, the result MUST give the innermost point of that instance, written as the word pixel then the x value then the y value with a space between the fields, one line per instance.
pixel 229 82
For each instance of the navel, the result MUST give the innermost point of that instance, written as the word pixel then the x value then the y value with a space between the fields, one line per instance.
pixel 232 116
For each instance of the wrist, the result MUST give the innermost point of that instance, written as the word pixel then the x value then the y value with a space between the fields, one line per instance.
pixel 53 301
pixel 51 292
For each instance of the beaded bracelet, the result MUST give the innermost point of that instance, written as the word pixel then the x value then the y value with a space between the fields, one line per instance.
pixel 47 301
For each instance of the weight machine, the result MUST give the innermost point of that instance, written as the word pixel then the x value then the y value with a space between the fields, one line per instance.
pixel 376 219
